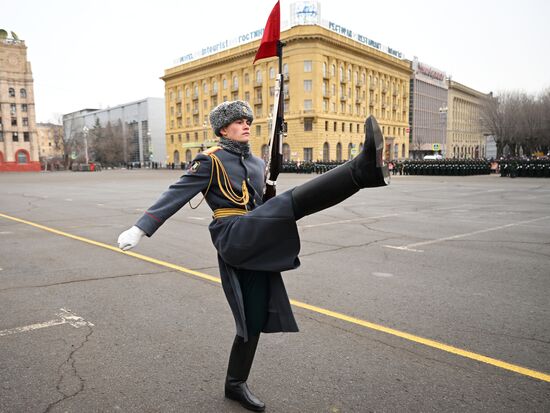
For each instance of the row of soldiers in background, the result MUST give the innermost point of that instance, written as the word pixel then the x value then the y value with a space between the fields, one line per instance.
pixel 457 167
pixel 516 167
pixel 155 165
pixel 308 167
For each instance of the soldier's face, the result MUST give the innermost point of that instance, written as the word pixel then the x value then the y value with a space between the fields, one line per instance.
pixel 238 131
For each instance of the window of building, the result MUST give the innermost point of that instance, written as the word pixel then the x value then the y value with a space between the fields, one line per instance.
pixel 308 84
pixel 179 137
pixel 308 154
pixel 25 121
pixel 308 65
pixel 349 75
pixel 333 106
pixel 325 105
pixel 187 92
pixel 1 139
pixel 235 82
pixel 171 95
pixel 13 108
pixel 272 91
pixel 308 105
pixel 333 70
pixel 341 73
pixel 23 93
pixel 350 128
pixel 224 83
pixel 343 127
pixel 258 76
pixel 15 137
pixel 258 130
pixel 335 126
pixel 308 124
pixel 286 152
pixel 171 138
pixel 246 78
pixel 285 69
pixel 11 92
pixel 13 121
pixel 350 148
pixel 272 73
pixel 326 152
pixel 339 152
pixel 326 125
pixel 196 136
pixel 324 69
pixel 215 86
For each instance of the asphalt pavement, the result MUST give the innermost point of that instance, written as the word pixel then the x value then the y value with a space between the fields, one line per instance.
pixel 430 295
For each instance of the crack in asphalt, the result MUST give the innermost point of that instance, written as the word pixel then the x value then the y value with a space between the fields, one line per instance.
pixel 339 248
pixel 72 373
pixel 85 280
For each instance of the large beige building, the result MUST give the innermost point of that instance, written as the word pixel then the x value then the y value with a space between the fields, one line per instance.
pixel 332 82
pixel 18 140
pixel 465 137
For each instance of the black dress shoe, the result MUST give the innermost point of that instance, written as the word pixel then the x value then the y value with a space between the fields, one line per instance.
pixel 239 391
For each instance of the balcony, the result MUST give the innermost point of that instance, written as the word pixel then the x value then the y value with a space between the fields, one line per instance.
pixel 258 83
pixel 235 88
pixel 195 96
pixel 258 101
pixel 195 111
pixel 214 92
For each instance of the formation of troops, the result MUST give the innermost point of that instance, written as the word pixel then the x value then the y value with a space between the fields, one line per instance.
pixel 513 167
pixel 534 168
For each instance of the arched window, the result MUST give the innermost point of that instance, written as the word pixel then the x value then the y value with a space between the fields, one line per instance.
pixel 258 76
pixel 176 157
pixel 224 83
pixel 205 87
pixel 265 152
pixel 326 152
pixel 246 78
pixel 341 73
pixel 23 93
pixel 286 152
pixel 215 86
pixel 12 92
pixel 350 148
pixel 333 70
pixel 22 156
pixel 324 69
pixel 272 73
pixel 339 152
pixel 188 156
pixel 235 82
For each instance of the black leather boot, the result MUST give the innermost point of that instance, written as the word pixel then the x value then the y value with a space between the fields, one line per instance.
pixel 240 362
pixel 366 170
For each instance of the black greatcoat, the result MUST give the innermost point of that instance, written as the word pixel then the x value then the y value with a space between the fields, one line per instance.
pixel 264 240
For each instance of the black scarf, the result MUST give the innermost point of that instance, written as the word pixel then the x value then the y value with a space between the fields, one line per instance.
pixel 240 148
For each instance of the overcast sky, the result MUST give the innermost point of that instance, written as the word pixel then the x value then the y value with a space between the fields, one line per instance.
pixel 95 54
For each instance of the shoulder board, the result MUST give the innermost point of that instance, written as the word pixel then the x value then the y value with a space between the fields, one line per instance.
pixel 211 150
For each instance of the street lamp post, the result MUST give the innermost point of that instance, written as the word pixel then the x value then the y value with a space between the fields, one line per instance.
pixel 85 132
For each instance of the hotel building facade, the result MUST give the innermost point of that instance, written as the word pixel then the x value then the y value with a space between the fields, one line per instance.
pixel 333 80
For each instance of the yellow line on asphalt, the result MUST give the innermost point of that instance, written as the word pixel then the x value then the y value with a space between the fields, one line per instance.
pixel 377 327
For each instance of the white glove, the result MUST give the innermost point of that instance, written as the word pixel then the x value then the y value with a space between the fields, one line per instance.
pixel 130 238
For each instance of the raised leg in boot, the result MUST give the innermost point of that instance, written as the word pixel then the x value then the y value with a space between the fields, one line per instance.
pixel 240 362
pixel 366 170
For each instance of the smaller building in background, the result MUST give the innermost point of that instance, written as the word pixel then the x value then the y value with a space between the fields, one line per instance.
pixel 50 143
pixel 465 136
pixel 427 117
pixel 140 124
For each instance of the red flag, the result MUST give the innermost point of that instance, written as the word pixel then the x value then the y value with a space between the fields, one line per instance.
pixel 272 34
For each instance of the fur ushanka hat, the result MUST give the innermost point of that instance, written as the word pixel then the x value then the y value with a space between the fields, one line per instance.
pixel 228 112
